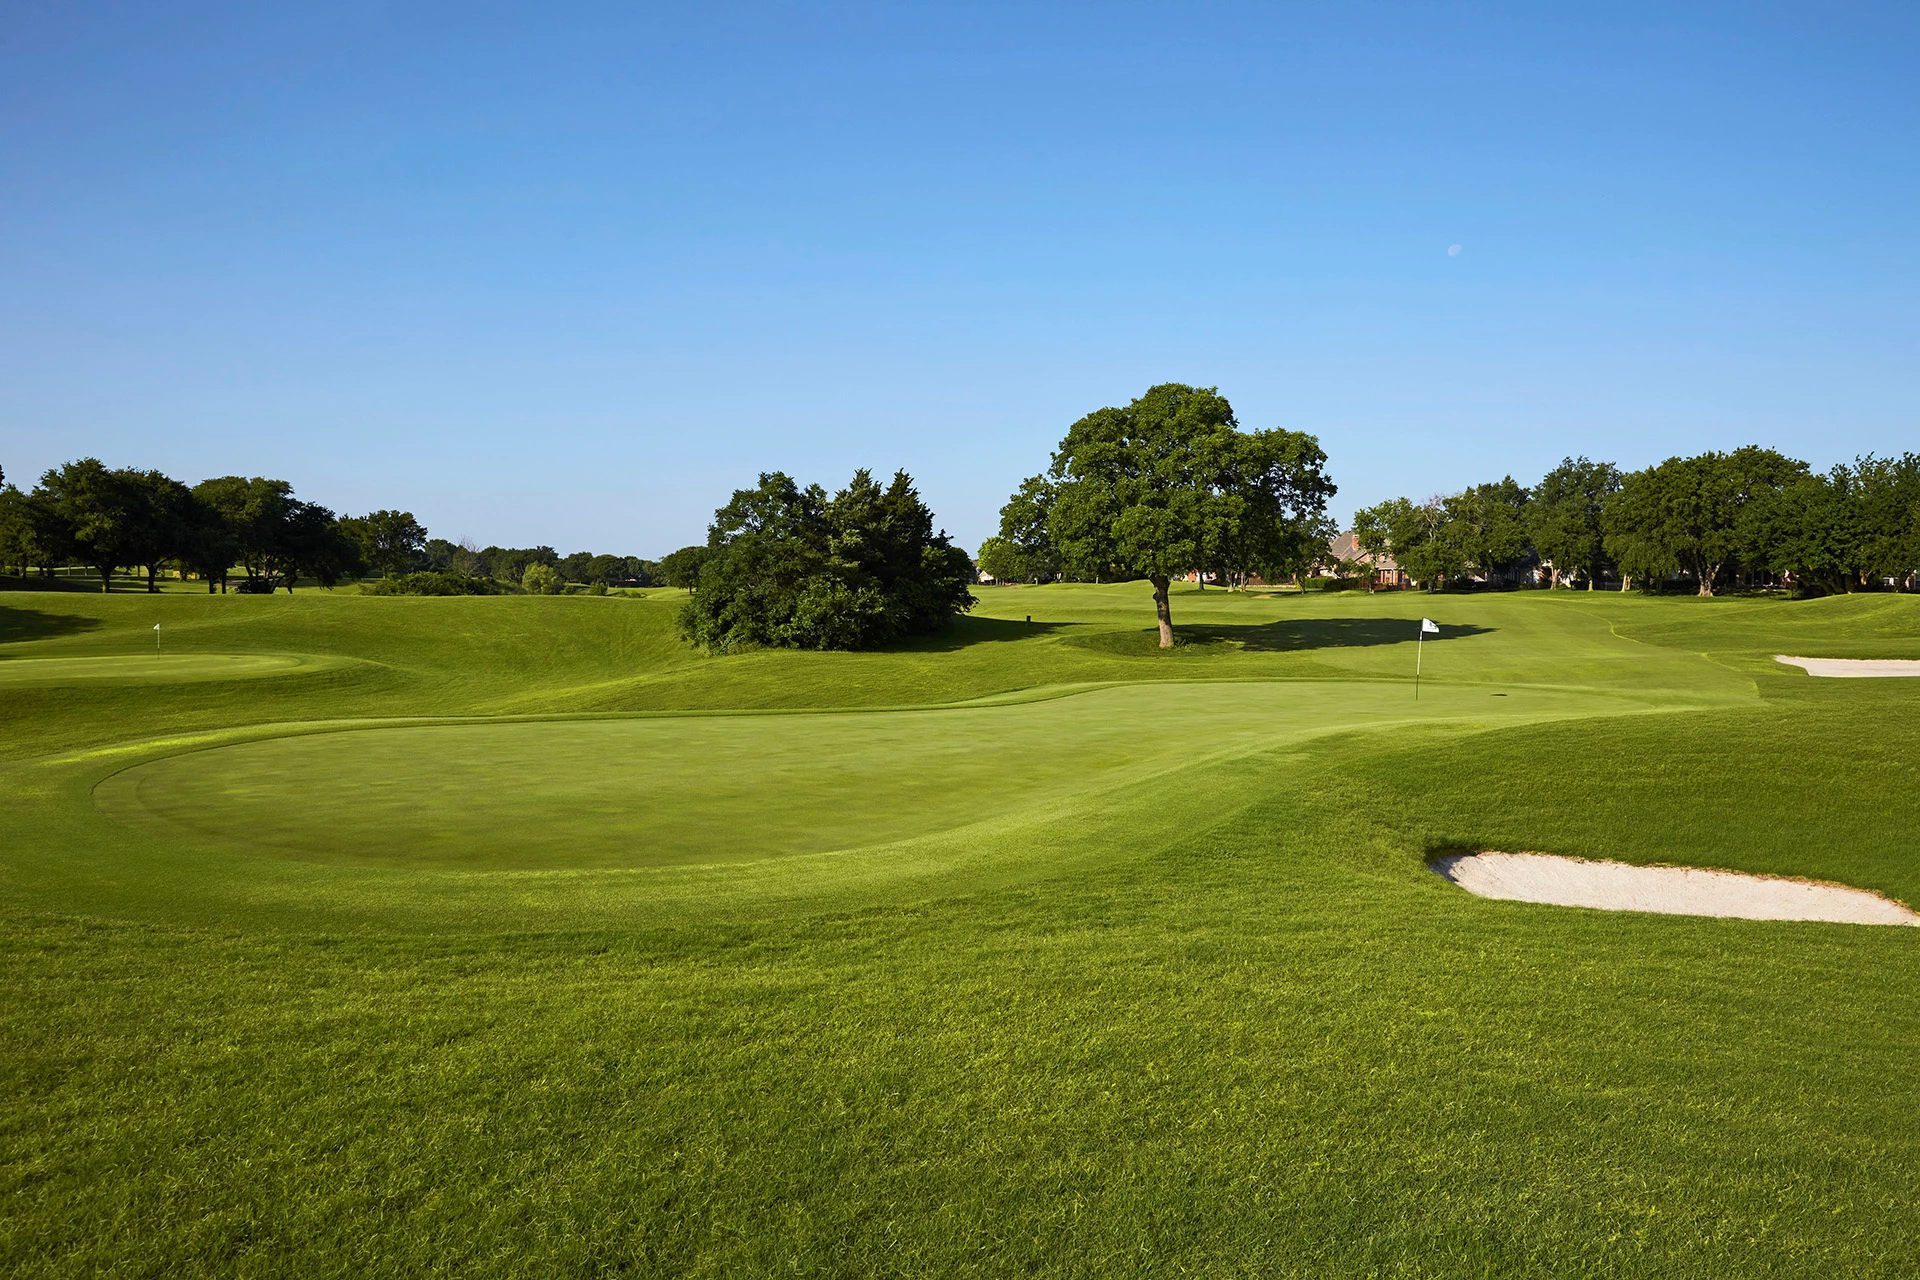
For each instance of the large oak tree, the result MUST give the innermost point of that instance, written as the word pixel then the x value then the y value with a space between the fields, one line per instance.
pixel 1169 484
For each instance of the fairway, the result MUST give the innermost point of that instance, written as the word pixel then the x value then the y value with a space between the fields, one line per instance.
pixel 508 936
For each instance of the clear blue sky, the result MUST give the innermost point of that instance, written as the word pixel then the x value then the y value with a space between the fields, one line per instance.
pixel 570 274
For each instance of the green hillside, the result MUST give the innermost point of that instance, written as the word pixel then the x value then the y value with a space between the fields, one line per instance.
pixel 508 935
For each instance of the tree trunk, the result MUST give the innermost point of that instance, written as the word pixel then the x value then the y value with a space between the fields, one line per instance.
pixel 1626 582
pixel 153 572
pixel 1162 608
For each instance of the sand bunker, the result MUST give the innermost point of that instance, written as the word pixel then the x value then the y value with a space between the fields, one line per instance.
pixel 1687 891
pixel 1853 666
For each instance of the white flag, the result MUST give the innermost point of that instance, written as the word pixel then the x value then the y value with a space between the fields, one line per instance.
pixel 156 626
pixel 1429 627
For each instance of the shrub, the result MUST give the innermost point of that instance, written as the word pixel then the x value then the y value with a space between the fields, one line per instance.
pixel 432 584
pixel 542 580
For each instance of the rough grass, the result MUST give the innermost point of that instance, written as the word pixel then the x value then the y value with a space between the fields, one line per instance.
pixel 1133 968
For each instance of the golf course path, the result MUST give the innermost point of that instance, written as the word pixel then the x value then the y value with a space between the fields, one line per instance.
pixel 1853 667
pixel 1691 891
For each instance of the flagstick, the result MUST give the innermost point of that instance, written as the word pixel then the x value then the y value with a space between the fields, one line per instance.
pixel 1419 651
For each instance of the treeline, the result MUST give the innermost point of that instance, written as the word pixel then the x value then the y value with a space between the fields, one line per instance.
pixel 115 519
pixel 510 564
pixel 1750 518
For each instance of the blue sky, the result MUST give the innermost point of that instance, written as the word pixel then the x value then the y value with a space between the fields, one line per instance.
pixel 572 273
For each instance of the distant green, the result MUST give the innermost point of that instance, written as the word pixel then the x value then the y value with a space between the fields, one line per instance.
pixel 508 935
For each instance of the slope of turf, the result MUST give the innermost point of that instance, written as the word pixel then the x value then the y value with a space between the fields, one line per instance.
pixel 156 668
pixel 504 941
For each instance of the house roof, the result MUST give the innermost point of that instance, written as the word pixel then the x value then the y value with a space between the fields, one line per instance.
pixel 1346 546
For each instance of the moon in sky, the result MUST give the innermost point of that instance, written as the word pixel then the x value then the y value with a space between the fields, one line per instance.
pixel 1453 251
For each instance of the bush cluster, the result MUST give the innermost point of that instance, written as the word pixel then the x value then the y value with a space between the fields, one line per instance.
pixel 793 568
pixel 431 583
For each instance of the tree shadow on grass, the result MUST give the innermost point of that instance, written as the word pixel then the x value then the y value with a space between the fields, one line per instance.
pixel 968 631
pixel 1294 635
pixel 33 624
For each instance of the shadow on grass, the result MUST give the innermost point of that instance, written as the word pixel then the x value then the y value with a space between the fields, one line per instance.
pixel 33 624
pixel 1289 636
pixel 968 631
pixel 91 586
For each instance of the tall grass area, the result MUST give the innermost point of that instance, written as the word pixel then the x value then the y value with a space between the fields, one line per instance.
pixel 507 935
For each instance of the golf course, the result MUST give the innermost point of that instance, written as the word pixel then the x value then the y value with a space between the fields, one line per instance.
pixel 512 935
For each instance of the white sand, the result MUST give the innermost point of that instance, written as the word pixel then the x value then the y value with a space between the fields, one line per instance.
pixel 1689 891
pixel 1853 666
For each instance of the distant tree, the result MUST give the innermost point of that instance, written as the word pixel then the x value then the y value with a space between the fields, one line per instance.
pixel 1489 522
pixel 682 568
pixel 1886 492
pixel 1564 521
pixel 1025 542
pixel 255 513
pixel 1002 560
pixel 603 569
pixel 1809 531
pixel 509 564
pixel 438 554
pixel 542 580
pixel 162 513
pixel 791 567
pixel 574 568
pixel 1299 557
pixel 1275 514
pixel 97 509
pixel 315 546
pixel 280 539
pixel 1169 484
pixel 1426 542
pixel 209 547
pixel 1373 535
pixel 1697 514
pixel 391 541
pixel 31 532
pixel 1851 529
pixel 1634 540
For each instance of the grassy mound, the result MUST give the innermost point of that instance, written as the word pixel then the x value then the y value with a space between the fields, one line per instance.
pixel 508 935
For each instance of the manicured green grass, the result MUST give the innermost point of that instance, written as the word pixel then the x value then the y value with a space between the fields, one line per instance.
pixel 507 936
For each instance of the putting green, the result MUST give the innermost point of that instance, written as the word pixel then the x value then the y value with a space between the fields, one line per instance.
pixel 710 789
pixel 156 668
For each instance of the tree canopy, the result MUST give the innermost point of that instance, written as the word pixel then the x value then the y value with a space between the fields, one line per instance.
pixel 791 567
pixel 1565 520
pixel 1169 485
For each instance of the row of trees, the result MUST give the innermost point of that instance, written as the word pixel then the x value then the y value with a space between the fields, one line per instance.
pixel 1751 517
pixel 111 519
pixel 510 564
pixel 115 519
pixel 1167 486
